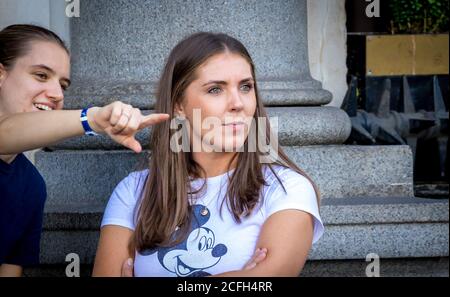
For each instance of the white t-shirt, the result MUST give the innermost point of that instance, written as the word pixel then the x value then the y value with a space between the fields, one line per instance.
pixel 216 243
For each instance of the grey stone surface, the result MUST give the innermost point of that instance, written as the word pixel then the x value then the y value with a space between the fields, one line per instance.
pixel 339 242
pixel 403 267
pixel 85 177
pixel 343 211
pixel 386 210
pixel 296 126
pixel 311 125
pixel 385 240
pixel 128 42
pixel 89 177
pixel 56 245
pixel 55 270
pixel 71 216
pixel 357 171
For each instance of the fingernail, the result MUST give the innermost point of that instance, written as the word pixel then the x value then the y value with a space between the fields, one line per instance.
pixel 130 262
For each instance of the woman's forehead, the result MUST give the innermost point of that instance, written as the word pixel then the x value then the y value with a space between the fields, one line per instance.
pixel 46 53
pixel 223 66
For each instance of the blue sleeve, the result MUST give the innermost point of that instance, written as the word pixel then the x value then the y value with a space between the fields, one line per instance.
pixel 27 250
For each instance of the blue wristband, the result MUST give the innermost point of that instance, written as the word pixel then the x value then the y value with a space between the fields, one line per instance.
pixel 84 121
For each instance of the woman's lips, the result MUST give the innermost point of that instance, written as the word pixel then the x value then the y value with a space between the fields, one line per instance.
pixel 238 126
pixel 44 106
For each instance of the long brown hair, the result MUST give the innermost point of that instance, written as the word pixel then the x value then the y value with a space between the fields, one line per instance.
pixel 163 206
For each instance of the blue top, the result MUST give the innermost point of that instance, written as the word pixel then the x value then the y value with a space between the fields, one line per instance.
pixel 22 198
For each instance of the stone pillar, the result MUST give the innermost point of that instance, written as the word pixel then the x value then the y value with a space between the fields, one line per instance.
pixel 119 48
pixel 327 44
pixel 128 41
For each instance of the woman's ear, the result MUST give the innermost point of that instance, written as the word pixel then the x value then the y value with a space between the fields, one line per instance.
pixel 2 74
pixel 178 110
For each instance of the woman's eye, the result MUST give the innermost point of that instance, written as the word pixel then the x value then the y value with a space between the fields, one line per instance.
pixel 246 88
pixel 41 76
pixel 214 90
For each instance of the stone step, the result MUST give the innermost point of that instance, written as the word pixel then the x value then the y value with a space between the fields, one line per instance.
pixel 391 227
pixel 389 267
pixel 296 126
pixel 397 267
pixel 342 211
pixel 89 177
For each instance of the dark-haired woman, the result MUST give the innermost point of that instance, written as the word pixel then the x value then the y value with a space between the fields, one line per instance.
pixel 34 72
pixel 207 203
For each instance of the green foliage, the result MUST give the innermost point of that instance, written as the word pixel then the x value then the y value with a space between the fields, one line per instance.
pixel 419 16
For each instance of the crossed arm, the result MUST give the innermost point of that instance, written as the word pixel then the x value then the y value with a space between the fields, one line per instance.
pixel 9 270
pixel 287 236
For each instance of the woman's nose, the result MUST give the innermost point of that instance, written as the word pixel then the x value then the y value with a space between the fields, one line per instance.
pixel 55 92
pixel 236 101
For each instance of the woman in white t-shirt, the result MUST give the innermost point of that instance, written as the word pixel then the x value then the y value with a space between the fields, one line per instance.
pixel 215 191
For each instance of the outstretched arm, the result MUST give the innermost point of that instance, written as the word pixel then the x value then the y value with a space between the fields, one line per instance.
pixel 287 235
pixel 30 130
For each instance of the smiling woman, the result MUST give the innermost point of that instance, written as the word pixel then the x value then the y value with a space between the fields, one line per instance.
pixel 36 81
pixel 34 72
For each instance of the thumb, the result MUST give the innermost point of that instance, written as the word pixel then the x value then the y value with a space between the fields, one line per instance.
pixel 127 268
pixel 127 141
pixel 132 144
